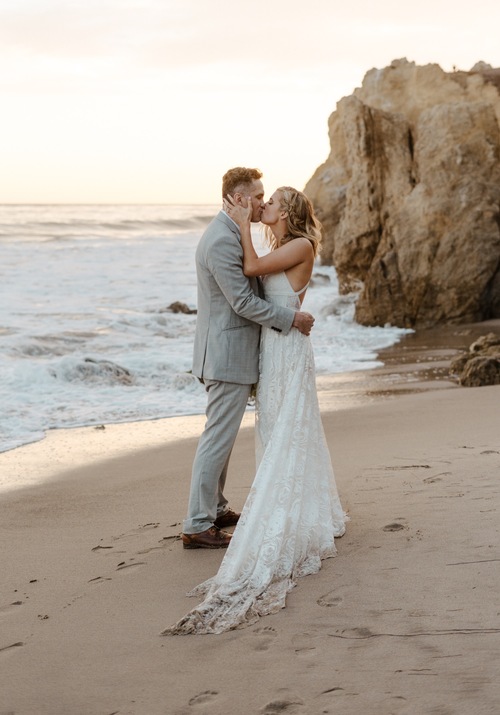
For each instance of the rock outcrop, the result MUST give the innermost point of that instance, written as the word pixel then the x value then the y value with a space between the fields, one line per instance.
pixel 410 195
pixel 179 307
pixel 480 365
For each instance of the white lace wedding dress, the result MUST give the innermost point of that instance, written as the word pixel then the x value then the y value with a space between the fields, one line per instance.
pixel 292 512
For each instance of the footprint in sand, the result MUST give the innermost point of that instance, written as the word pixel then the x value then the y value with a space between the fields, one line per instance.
pixel 164 541
pixel 277 707
pixel 10 608
pixel 361 632
pixel 110 550
pixel 99 579
pixel 11 647
pixel 329 599
pixel 123 566
pixel 126 535
pixel 395 526
pixel 137 532
pixel 303 645
pixel 436 478
pixel 306 652
pixel 207 696
pixel 263 638
pixel 408 466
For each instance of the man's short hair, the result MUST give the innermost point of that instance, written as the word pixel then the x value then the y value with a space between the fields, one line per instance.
pixel 238 179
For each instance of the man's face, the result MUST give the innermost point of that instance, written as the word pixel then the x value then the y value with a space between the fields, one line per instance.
pixel 256 194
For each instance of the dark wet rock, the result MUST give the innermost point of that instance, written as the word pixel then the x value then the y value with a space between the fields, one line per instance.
pixel 179 307
pixel 104 369
pixel 481 364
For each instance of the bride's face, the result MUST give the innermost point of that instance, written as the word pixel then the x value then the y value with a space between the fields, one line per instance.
pixel 273 213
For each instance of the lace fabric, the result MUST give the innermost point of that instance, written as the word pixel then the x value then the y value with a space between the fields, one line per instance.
pixel 293 512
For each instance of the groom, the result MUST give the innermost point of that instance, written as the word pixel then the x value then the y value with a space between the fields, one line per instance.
pixel 226 356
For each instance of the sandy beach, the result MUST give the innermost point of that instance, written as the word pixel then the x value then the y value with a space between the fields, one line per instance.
pixel 404 620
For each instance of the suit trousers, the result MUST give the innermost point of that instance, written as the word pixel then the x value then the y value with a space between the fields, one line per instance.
pixel 226 405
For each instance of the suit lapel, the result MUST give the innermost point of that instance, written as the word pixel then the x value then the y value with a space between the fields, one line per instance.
pixel 256 283
pixel 221 216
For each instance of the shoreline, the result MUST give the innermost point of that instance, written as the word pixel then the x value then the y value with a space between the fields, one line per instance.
pixel 417 363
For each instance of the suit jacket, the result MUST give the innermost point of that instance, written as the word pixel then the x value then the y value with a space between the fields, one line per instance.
pixel 230 311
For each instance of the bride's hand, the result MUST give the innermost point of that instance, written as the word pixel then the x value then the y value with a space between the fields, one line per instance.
pixel 237 212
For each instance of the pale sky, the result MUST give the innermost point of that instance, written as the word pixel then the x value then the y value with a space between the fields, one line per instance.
pixel 150 101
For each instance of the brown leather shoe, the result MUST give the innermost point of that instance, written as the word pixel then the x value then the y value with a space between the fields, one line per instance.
pixel 229 518
pixel 212 538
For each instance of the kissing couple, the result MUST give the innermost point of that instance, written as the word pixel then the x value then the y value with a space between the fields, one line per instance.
pixel 251 329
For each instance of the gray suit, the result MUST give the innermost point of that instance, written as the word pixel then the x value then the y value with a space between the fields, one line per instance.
pixel 226 358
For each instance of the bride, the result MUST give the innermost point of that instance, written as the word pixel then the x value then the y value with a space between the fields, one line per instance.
pixel 292 512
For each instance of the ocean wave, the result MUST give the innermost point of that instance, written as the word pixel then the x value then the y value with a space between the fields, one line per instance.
pixel 94 229
pixel 91 334
pixel 45 223
pixel 50 345
pixel 93 371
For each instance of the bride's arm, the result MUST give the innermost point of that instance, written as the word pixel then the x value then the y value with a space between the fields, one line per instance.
pixel 281 259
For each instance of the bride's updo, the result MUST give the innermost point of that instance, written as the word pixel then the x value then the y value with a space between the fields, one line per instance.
pixel 301 220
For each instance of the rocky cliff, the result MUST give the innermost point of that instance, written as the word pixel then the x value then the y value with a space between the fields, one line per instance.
pixel 410 195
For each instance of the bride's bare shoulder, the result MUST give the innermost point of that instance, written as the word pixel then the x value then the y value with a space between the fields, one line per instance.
pixel 301 243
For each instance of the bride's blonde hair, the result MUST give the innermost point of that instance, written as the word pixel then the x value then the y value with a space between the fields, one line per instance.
pixel 301 220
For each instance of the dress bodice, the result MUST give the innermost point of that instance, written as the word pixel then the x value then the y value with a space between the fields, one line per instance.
pixel 278 290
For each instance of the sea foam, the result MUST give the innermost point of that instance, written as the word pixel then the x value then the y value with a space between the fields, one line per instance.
pixel 86 336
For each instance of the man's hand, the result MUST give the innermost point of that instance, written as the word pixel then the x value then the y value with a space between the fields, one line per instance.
pixel 303 322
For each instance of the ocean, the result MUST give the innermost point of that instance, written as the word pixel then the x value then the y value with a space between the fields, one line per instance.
pixel 86 333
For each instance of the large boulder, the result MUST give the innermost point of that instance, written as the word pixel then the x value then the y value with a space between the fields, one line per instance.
pixel 409 197
pixel 480 365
